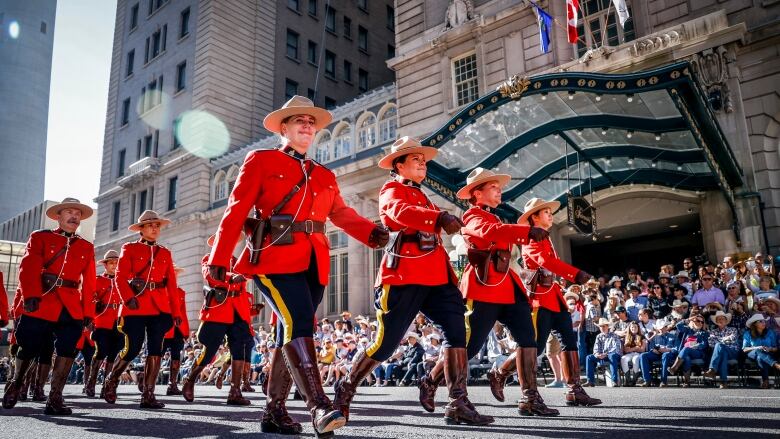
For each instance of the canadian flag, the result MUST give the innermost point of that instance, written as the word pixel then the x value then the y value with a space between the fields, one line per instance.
pixel 571 18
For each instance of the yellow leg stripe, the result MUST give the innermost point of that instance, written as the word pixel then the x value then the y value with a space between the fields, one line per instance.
pixel 277 296
pixel 202 351
pixel 534 313
pixel 469 311
pixel 380 331
pixel 127 339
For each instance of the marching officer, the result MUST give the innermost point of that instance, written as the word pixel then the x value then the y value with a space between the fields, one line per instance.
pixel 553 313
pixel 293 196
pixel 57 280
pixel 174 339
pixel 108 340
pixel 493 291
pixel 150 304
pixel 225 312
pixel 415 275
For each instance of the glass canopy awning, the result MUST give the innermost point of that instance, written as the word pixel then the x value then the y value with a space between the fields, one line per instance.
pixel 577 132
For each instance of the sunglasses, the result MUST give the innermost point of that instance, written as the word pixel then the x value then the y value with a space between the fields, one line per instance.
pixel 657 287
pixel 698 321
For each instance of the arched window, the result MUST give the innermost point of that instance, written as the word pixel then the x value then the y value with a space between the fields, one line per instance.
pixel 342 143
pixel 221 189
pixel 232 176
pixel 322 153
pixel 388 122
pixel 367 132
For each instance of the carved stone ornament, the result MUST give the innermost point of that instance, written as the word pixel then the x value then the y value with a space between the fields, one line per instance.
pixel 654 43
pixel 710 68
pixel 514 87
pixel 458 12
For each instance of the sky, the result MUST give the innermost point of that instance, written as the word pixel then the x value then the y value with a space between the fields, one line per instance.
pixel 81 64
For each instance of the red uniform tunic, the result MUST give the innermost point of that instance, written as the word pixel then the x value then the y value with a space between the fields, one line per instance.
pixel 4 311
pixel 542 254
pixel 236 301
pixel 265 178
pixel 485 231
pixel 184 327
pixel 107 294
pixel 78 267
pixel 133 263
pixel 405 207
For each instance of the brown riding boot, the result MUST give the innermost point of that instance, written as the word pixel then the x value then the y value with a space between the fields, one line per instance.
pixel 107 367
pixel 55 404
pixel 112 380
pixel 221 375
pixel 14 385
pixel 151 369
pixel 571 373
pixel 234 396
pixel 41 376
pixel 91 380
pixel 531 402
pixel 346 386
pixel 246 386
pixel 301 359
pixel 173 379
pixel 276 419
pixel 188 384
pixel 460 410
pixel 498 376
pixel 29 379
pixel 429 384
pixel 678 362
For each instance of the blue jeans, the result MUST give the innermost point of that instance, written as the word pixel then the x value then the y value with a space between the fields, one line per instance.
pixel 688 354
pixel 582 345
pixel 764 361
pixel 666 359
pixel 720 359
pixel 614 365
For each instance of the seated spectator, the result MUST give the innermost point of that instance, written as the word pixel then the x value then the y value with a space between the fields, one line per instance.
pixel 708 293
pixel 684 280
pixel 657 303
pixel 325 359
pixel 635 302
pixel 739 316
pixel 769 307
pixel 765 289
pixel 577 311
pixel 760 344
pixel 692 346
pixel 413 356
pixel 724 341
pixel 613 301
pixel 662 348
pixel 592 316
pixel 679 311
pixel 432 352
pixel 258 362
pixel 386 370
pixel 634 345
pixel 608 348
pixel 734 292
pixel 620 326
pixel 646 323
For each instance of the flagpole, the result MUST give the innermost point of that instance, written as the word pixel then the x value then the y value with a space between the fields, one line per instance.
pixel 555 20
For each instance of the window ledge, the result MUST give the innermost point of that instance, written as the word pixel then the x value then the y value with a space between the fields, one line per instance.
pixel 183 37
pixel 295 60
pixel 180 92
pixel 312 64
pixel 364 52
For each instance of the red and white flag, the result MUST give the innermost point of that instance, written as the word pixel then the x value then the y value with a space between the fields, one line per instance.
pixel 571 18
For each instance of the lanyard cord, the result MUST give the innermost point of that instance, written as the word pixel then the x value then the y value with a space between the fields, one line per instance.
pixel 62 267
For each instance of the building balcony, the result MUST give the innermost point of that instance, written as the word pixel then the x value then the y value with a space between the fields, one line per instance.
pixel 140 170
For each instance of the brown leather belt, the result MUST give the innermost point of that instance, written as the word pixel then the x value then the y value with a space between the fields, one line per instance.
pixel 156 285
pixel 60 282
pixel 308 227
pixel 113 306
pixel 234 293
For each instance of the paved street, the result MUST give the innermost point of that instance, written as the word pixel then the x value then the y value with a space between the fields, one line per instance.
pixel 394 413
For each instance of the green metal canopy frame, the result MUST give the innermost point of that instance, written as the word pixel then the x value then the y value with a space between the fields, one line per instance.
pixel 651 127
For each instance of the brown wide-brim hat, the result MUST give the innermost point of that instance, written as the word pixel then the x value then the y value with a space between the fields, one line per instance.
pixel 148 217
pixel 110 255
pixel 69 203
pixel 407 145
pixel 481 176
pixel 297 105
pixel 534 205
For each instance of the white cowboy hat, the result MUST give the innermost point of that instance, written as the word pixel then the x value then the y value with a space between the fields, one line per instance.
pixel 69 203
pixel 148 217
pixel 407 145
pixel 412 334
pixel 727 315
pixel 111 254
pixel 434 336
pixel 615 279
pixel 295 106
pixel 571 295
pixel 603 321
pixel 534 205
pixel 479 176
pixel 684 274
pixel 664 275
pixel 774 300
pixel 753 319
pixel 660 324
pixel 679 302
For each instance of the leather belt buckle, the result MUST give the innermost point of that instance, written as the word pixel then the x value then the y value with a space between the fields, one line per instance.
pixel 151 286
pixel 308 227
pixel 58 282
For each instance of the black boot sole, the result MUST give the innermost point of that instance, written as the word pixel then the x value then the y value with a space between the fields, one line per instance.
pixel 269 427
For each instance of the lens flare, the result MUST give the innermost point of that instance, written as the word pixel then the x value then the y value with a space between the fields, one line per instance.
pixel 202 134
pixel 13 29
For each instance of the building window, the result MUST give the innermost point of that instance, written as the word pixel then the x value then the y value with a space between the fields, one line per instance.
pixel 221 191
pixel 330 19
pixel 347 28
pixel 330 64
pixel 130 63
pixel 142 198
pixel 184 23
pixel 292 44
pixel 176 142
pixel 148 145
pixel 120 172
pixel 154 5
pixel 464 79
pixel 598 19
pixel 295 5
pixel 172 186
pixel 390 18
pixel 367 132
pixel 362 39
pixel 311 54
pixel 155 44
pixel 344 278
pixel 362 80
pixel 134 17
pixel 390 51
pixel 342 143
pixel 43 27
pixel 310 94
pixel 388 122
pixel 290 88
pixel 333 278
pixel 363 5
pixel 115 211
pixel 329 103
pixel 313 8
pixel 125 111
pixel 322 153
pixel 151 95
pixel 232 176
pixel 338 285
pixel 347 71
pixel 181 76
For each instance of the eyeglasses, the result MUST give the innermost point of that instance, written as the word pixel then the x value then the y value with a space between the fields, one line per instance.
pixel 657 287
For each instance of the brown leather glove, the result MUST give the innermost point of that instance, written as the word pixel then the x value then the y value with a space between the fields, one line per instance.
pixel 217 273
pixel 582 277
pixel 132 303
pixel 177 321
pixel 538 234
pixel 32 304
pixel 237 279
pixel 378 237
pixel 449 223
pixel 87 322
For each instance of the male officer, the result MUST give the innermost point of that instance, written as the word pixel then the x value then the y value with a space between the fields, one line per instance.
pixel 174 339
pixel 57 281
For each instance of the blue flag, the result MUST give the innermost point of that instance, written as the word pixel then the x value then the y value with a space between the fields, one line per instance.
pixel 545 24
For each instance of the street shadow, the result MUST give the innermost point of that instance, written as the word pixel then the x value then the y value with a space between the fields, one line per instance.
pixel 141 427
